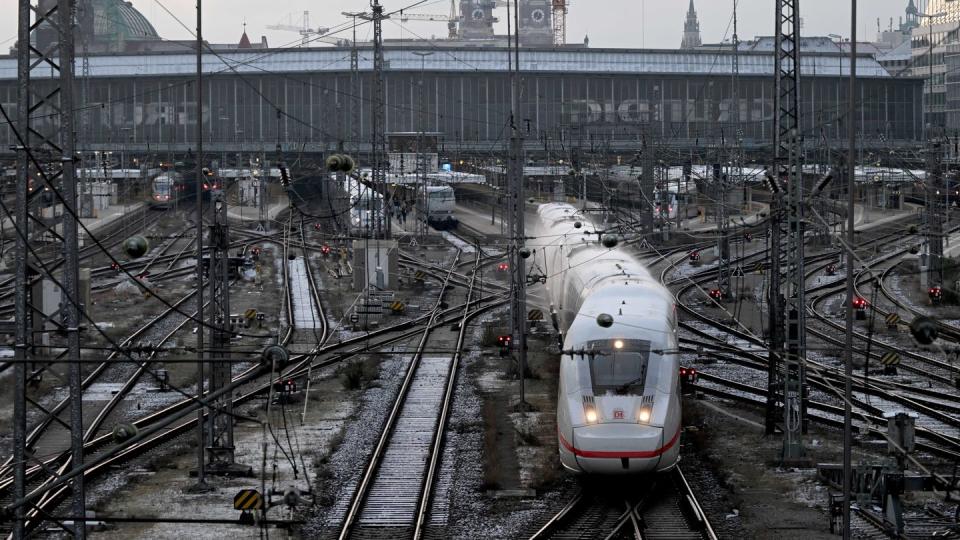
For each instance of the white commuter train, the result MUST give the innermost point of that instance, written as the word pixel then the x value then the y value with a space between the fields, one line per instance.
pixel 362 203
pixel 618 408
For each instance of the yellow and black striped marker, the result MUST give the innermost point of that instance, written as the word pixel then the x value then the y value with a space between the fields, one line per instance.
pixel 398 307
pixel 420 275
pixel 893 320
pixel 535 315
pixel 890 359
pixel 248 499
pixel 758 269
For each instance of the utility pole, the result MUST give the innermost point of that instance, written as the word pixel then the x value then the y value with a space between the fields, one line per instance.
pixel 935 190
pixel 647 184
pixel 219 447
pixel 851 286
pixel 518 230
pixel 788 154
pixel 378 123
pixel 46 154
pixel 201 485
pixel 354 86
pixel 421 157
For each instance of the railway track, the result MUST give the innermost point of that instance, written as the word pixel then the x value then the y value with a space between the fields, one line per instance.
pixel 660 507
pixel 394 493
pixel 48 497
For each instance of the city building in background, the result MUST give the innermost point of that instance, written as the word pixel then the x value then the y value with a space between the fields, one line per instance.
pixel 691 29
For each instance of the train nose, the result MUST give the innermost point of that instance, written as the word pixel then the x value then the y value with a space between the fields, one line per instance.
pixel 618 448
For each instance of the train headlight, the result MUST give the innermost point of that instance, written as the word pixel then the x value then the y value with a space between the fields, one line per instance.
pixel 618 344
pixel 590 414
pixel 644 414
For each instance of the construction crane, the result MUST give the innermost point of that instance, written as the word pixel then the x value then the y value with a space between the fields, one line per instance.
pixel 559 22
pixel 308 34
pixel 451 19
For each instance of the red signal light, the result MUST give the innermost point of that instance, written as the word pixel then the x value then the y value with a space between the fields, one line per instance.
pixel 325 249
pixel 716 294
pixel 503 267
pixel 694 255
pixel 316 226
pixel 859 303
pixel 935 291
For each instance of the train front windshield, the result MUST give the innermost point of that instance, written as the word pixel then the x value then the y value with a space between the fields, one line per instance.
pixel 161 186
pixel 618 366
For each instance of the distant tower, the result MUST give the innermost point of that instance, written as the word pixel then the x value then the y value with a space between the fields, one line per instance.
pixel 913 19
pixel 476 19
pixel 536 29
pixel 691 30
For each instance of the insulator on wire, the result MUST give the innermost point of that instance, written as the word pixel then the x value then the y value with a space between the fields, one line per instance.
pixel 771 180
pixel 823 183
pixel 284 175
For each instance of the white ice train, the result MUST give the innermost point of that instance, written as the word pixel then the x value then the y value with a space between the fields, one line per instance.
pixel 618 408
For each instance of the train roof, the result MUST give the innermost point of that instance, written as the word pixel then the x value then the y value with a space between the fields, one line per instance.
pixel 596 266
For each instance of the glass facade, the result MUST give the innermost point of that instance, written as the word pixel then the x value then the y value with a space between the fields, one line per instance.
pixel 315 111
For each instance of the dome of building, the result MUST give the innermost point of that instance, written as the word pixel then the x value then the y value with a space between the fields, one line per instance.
pixel 118 20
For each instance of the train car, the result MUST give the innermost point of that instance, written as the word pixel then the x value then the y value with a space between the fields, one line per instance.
pixel 441 205
pixel 361 205
pixel 169 187
pixel 665 205
pixel 618 404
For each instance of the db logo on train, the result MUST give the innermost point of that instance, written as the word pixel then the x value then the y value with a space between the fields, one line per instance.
pixel 618 414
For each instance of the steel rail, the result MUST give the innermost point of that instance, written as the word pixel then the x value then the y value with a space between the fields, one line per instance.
pixel 371 469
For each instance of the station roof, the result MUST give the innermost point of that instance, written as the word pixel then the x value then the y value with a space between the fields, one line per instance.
pixel 460 60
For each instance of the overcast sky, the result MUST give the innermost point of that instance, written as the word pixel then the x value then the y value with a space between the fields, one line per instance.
pixel 609 23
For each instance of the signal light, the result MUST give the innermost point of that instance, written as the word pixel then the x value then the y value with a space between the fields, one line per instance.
pixel 316 226
pixel 831 269
pixel 936 294
pixel 694 255
pixel 716 294
pixel 325 249
pixel 687 376
pixel 503 267
pixel 859 303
